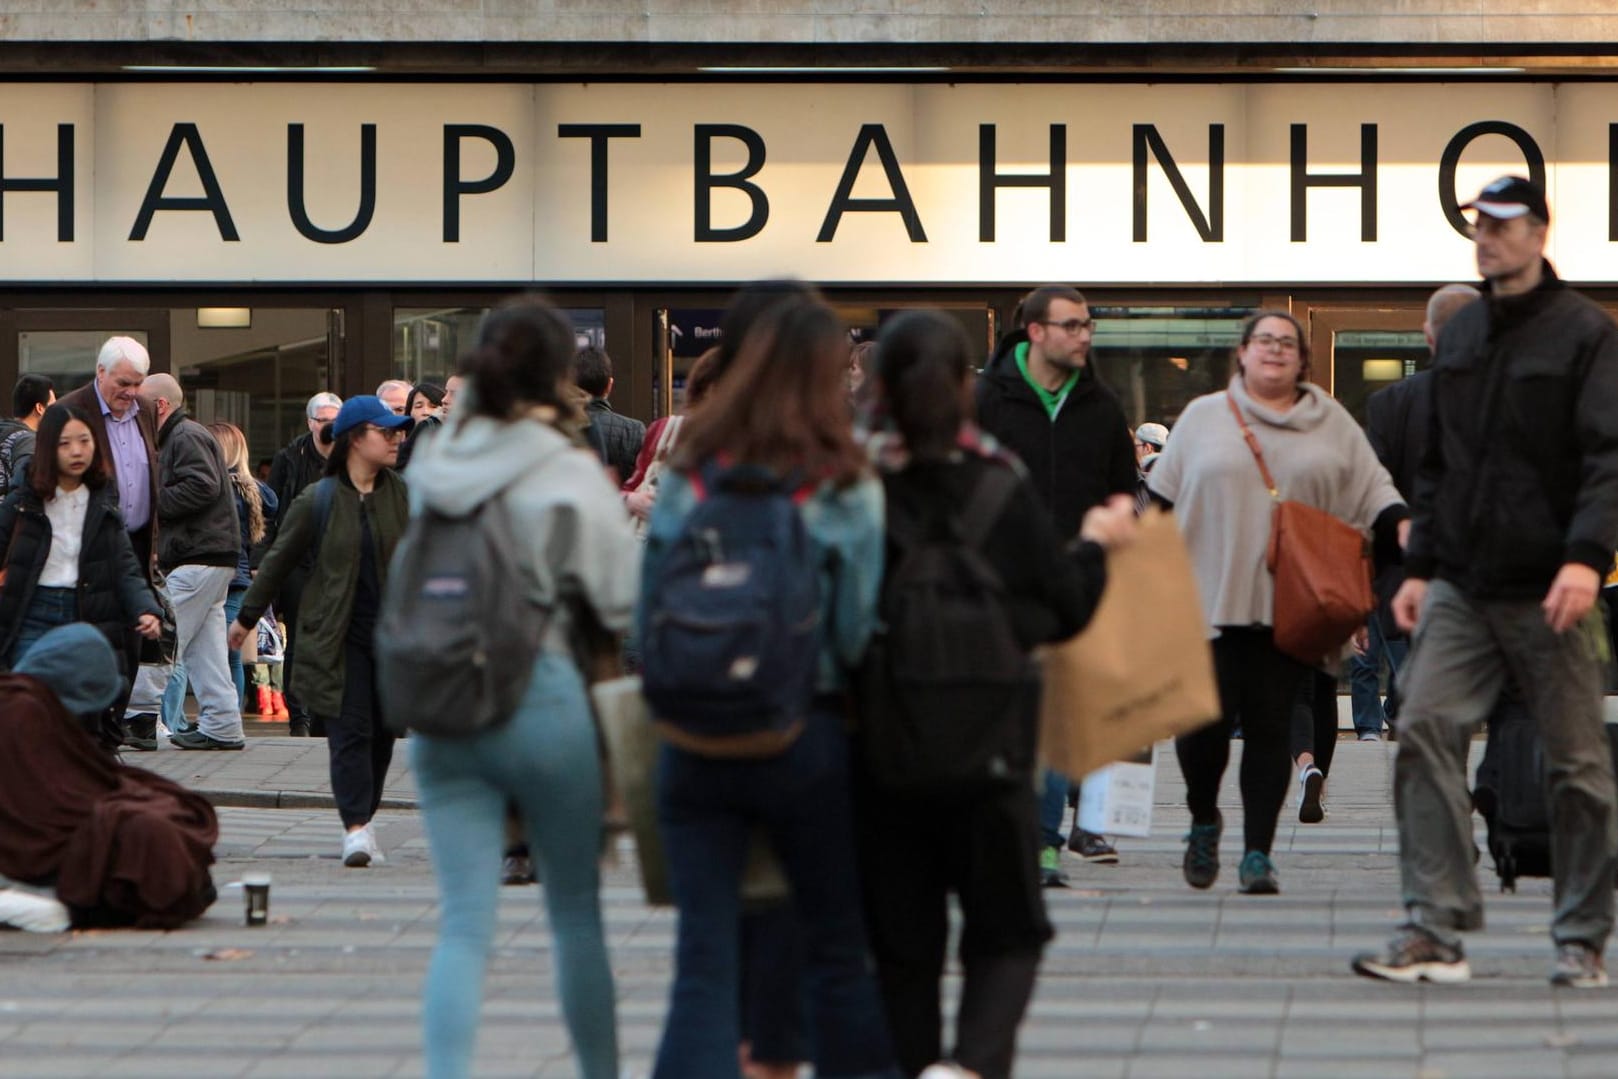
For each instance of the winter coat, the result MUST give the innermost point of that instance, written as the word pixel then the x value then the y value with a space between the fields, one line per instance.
pixel 196 504
pixel 616 439
pixel 1520 474
pixel 244 560
pixel 1076 461
pixel 86 400
pixel 112 593
pixel 321 629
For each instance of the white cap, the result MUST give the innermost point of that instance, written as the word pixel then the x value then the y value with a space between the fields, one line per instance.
pixel 1153 434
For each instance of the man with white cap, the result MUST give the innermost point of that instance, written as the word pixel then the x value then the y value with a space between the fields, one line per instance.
pixel 1516 518
pixel 126 435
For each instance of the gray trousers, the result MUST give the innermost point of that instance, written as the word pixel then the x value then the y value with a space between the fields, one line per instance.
pixel 1459 659
pixel 197 594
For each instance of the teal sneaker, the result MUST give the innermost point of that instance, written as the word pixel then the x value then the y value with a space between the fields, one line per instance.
pixel 1201 865
pixel 1258 874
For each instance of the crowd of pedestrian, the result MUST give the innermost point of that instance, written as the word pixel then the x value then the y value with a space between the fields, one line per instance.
pixel 832 573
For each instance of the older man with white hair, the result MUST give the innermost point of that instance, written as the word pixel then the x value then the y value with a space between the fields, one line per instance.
pixel 126 435
pixel 395 393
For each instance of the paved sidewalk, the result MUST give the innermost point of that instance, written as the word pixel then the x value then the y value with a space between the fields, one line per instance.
pixel 271 773
pixel 1145 980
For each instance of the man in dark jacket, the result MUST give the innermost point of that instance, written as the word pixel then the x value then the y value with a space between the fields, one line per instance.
pixel 1396 422
pixel 1041 398
pixel 296 466
pixel 29 400
pixel 1516 519
pixel 198 544
pixel 616 439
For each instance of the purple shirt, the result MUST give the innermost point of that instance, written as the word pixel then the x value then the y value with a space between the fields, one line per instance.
pixel 130 463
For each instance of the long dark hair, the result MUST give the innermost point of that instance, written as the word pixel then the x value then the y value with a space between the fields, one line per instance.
pixel 524 357
pixel 430 390
pixel 44 474
pixel 782 401
pixel 922 360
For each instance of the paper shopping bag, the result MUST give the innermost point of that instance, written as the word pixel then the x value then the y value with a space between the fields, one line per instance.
pixel 1141 670
pixel 632 751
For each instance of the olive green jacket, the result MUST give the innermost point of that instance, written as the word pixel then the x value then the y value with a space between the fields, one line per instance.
pixel 318 667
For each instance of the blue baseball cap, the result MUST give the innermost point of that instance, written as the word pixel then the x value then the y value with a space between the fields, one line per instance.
pixel 367 408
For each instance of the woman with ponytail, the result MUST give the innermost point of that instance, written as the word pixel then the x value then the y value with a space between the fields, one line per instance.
pixel 984 847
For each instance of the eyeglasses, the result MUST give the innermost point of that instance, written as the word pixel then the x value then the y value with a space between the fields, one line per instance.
pixel 386 432
pixel 1265 340
pixel 1071 325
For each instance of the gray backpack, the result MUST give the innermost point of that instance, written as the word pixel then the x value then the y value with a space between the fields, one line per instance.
pixel 460 626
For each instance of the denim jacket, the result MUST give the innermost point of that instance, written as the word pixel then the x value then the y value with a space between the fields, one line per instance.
pixel 848 522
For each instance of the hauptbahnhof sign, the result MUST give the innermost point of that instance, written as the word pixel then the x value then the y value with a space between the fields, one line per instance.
pixel 629 183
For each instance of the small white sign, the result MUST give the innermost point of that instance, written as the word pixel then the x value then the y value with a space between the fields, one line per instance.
pixel 1117 799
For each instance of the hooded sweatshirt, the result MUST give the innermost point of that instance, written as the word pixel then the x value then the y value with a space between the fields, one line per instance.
pixel 1318 456
pixel 583 546
pixel 1077 453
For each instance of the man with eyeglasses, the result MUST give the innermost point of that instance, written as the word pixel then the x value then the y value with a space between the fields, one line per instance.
pixel 1039 395
pixel 1516 518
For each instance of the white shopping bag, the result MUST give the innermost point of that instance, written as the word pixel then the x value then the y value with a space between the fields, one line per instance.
pixel 1117 799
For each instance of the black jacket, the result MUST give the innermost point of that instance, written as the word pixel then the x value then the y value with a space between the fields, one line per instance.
pixel 1396 423
pixel 1076 461
pixel 615 439
pixel 16 454
pixel 1051 592
pixel 1520 473
pixel 112 587
pixel 196 504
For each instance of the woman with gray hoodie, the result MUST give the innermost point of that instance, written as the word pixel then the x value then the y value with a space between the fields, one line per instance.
pixel 505 443
pixel 1318 456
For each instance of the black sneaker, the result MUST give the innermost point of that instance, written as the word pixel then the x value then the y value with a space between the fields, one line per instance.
pixel 517 869
pixel 1092 847
pixel 140 732
pixel 298 728
pixel 1415 955
pixel 198 740
pixel 1050 868
pixel 1578 966
pixel 1311 781
pixel 1201 864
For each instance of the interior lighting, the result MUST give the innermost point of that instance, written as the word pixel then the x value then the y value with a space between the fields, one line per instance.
pixel 1382 370
pixel 224 318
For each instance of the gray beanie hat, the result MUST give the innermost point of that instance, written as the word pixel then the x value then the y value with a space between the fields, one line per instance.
pixel 77 663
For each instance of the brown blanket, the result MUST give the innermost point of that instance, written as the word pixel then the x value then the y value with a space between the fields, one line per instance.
pixel 121 845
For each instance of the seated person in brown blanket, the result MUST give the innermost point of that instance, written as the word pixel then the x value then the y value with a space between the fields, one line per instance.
pixel 118 845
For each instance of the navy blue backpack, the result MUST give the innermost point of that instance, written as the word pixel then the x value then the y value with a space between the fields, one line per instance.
pixel 732 630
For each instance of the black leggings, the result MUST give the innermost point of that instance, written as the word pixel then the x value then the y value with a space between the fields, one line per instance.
pixel 1314 720
pixel 1259 687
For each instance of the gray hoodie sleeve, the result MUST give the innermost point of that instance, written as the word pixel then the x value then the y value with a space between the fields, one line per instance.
pixel 585 541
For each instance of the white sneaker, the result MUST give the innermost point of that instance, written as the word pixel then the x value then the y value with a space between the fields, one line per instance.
pixel 357 849
pixel 377 857
pixel 943 1070
pixel 32 913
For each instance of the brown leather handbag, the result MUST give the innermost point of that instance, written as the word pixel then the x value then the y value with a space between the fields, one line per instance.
pixel 1322 571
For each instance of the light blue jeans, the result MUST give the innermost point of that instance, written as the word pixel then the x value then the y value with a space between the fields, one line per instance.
pixel 174 696
pixel 544 760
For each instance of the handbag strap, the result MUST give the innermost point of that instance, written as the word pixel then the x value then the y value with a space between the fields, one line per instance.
pixel 1252 444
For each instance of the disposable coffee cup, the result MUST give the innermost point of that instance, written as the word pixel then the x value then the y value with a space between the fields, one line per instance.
pixel 256 896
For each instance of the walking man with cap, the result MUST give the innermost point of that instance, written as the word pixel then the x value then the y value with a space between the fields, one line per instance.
pixel 1516 519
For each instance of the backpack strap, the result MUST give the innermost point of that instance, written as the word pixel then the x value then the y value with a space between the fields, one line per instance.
pixel 325 492
pixel 989 499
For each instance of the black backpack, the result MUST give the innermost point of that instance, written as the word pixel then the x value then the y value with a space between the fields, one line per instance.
pixel 461 623
pixel 946 692
pixel 1509 793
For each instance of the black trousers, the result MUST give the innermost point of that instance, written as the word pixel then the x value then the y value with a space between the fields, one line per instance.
pixel 286 610
pixel 1260 687
pixel 1314 719
pixel 985 849
pixel 361 747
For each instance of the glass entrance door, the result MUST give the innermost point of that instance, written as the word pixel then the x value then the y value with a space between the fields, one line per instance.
pixel 1359 350
pixel 63 344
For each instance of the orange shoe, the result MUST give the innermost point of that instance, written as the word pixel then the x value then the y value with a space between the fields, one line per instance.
pixel 278 701
pixel 265 709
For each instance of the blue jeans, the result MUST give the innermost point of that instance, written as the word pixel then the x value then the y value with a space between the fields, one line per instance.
pixel 1052 804
pixel 1364 674
pixel 174 696
pixel 707 808
pixel 546 761
pixel 47 609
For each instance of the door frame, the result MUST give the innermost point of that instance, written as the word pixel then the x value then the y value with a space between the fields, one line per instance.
pixel 1323 321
